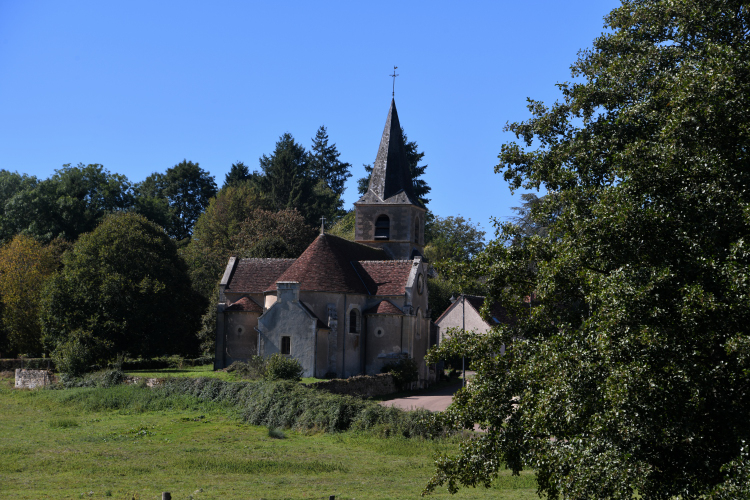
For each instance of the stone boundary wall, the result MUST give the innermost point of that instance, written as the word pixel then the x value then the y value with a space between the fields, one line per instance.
pixel 363 386
pixel 150 382
pixel 31 379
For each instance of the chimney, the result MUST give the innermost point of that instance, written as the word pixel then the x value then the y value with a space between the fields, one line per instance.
pixel 287 291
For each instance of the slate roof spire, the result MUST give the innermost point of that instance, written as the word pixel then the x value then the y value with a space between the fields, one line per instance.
pixel 391 181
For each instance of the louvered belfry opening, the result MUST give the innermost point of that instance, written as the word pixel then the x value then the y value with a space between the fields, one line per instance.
pixel 383 228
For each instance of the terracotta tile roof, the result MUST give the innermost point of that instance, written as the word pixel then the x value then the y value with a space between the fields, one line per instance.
pixel 257 275
pixel 384 307
pixel 245 304
pixel 385 277
pixel 327 266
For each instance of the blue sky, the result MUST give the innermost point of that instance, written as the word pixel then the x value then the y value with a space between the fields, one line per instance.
pixel 137 86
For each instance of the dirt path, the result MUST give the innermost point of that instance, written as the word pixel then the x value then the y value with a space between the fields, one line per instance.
pixel 429 399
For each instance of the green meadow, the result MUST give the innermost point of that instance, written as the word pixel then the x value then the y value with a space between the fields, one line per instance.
pixel 61 444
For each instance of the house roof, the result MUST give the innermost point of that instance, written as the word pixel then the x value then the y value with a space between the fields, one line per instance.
pixel 387 277
pixel 384 307
pixel 257 275
pixel 391 181
pixel 327 266
pixel 245 304
pixel 498 314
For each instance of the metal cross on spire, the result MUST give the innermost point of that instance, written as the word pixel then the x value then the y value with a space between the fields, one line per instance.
pixel 394 75
pixel 322 225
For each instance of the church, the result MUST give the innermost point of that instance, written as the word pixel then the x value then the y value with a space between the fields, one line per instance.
pixel 342 308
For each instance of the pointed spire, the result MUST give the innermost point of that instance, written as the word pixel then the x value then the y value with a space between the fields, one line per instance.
pixel 391 174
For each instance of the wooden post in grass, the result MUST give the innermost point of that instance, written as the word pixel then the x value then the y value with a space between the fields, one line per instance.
pixel 166 496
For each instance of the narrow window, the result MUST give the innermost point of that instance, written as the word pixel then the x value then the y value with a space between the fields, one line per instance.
pixel 353 321
pixel 286 345
pixel 416 231
pixel 382 228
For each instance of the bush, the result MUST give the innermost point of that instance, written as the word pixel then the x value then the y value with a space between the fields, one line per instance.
pixel 404 372
pixel 280 367
pixel 254 369
pixel 102 379
pixel 284 405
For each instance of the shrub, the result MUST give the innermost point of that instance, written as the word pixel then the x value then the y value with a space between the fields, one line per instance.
pixel 280 367
pixel 255 368
pixel 404 372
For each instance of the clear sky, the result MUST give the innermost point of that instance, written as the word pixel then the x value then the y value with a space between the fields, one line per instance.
pixel 138 86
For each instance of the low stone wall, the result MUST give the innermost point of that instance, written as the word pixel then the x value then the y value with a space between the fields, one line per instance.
pixel 150 382
pixel 363 386
pixel 31 379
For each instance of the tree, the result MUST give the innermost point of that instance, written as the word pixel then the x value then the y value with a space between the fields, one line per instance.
pixel 187 188
pixel 237 174
pixel 25 266
pixel 266 234
pixel 413 157
pixel 211 244
pixel 452 238
pixel 288 177
pixel 123 288
pixel 325 163
pixel 632 372
pixel 69 203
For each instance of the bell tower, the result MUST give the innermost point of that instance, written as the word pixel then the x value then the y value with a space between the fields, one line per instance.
pixel 389 216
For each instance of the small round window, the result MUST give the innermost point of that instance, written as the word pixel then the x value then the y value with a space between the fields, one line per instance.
pixel 379 332
pixel 239 330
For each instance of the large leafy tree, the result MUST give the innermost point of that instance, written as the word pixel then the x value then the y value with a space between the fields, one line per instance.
pixel 632 374
pixel 452 238
pixel 211 244
pixel 187 189
pixel 71 202
pixel 25 267
pixel 413 157
pixel 123 288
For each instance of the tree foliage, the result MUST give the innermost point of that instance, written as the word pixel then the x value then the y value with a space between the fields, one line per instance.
pixel 633 372
pixel 123 288
pixel 187 190
pixel 25 267
pixel 211 244
pixel 413 157
pixel 71 202
pixel 452 238
pixel 267 234
pixel 308 182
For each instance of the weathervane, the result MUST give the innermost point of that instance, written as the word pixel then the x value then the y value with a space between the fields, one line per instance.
pixel 394 75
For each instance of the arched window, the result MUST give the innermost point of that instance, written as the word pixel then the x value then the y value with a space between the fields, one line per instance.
pixel 354 321
pixel 383 228
pixel 416 231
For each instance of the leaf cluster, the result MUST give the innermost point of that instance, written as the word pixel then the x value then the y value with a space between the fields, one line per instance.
pixel 630 372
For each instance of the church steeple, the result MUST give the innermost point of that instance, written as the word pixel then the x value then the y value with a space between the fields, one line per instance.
pixel 390 181
pixel 389 215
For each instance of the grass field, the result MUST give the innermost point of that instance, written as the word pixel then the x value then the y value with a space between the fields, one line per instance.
pixel 54 445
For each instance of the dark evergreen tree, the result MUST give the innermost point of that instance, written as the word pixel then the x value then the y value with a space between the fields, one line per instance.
pixel 325 163
pixel 237 174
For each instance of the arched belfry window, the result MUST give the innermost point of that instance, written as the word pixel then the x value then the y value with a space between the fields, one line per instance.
pixel 416 231
pixel 354 321
pixel 383 228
